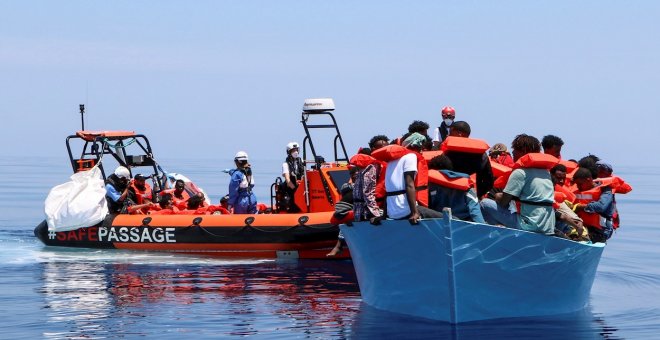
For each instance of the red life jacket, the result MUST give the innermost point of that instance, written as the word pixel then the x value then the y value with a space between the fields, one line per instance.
pixel 394 152
pixel 463 144
pixel 570 166
pixel 593 195
pixel 459 183
pixel 619 186
pixel 501 174
pixel 537 161
pixel 139 194
pixel 362 161
pixel 585 197
pixel 531 160
pixel 178 201
pixel 503 159
pixel 565 194
pixel 429 155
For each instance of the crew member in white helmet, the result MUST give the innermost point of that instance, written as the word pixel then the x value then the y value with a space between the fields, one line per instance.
pixel 242 199
pixel 116 189
pixel 293 169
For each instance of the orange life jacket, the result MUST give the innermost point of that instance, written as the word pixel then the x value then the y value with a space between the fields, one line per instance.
pixel 139 194
pixel 499 169
pixel 619 186
pixel 531 160
pixel 565 194
pixel 178 201
pixel 570 166
pixel 362 161
pixel 429 155
pixel 463 144
pixel 393 152
pixel 593 195
pixel 459 183
pixel 537 161
pixel 504 159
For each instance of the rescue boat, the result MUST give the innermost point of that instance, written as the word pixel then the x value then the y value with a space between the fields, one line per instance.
pixel 457 271
pixel 275 234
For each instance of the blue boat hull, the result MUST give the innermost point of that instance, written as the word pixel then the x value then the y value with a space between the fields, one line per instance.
pixel 458 271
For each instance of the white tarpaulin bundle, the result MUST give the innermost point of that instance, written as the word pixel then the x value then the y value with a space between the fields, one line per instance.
pixel 78 203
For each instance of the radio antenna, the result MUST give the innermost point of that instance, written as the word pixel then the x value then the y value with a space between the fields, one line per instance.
pixel 82 116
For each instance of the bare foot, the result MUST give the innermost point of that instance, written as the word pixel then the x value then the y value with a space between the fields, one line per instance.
pixel 334 252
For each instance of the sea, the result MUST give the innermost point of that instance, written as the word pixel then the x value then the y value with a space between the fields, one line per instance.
pixel 53 293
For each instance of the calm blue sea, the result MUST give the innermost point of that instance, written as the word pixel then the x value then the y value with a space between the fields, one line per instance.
pixel 58 293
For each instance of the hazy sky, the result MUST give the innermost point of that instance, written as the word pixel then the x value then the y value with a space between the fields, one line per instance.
pixel 207 78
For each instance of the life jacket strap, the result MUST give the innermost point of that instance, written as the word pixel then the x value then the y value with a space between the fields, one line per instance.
pixel 541 204
pixel 401 192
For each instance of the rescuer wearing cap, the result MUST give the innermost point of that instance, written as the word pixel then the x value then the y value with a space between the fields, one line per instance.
pixel 116 189
pixel 241 198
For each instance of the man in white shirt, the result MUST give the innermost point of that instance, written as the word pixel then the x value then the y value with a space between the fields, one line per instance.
pixel 400 184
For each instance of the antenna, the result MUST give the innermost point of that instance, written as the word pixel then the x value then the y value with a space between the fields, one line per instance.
pixel 82 116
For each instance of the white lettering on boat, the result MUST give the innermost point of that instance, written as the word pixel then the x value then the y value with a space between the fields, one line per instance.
pixel 137 235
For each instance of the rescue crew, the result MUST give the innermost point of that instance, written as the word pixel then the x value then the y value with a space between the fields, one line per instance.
pixel 293 170
pixel 442 131
pixel 116 189
pixel 242 199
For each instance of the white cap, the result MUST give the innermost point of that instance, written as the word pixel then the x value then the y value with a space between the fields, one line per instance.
pixel 241 156
pixel 292 145
pixel 122 172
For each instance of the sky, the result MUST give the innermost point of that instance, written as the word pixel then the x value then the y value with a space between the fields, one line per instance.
pixel 205 79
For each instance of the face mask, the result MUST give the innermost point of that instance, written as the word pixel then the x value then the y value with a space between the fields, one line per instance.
pixel 448 121
pixel 294 154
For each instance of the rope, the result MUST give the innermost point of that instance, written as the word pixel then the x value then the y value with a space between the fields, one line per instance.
pixel 123 145
pixel 261 230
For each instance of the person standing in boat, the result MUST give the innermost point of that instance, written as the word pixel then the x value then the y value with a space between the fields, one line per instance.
pixel 116 189
pixel 293 170
pixel 442 131
pixel 242 199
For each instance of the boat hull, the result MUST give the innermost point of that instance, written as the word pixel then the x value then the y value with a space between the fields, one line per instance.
pixel 458 271
pixel 265 236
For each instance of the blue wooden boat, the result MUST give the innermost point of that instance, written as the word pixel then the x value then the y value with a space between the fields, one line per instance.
pixel 457 271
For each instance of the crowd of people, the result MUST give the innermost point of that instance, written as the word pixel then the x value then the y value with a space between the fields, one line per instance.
pixel 532 188
pixel 415 177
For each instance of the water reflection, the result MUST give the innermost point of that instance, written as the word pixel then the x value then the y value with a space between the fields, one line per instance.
pixel 374 323
pixel 92 299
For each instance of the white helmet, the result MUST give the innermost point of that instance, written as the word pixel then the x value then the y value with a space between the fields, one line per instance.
pixel 241 156
pixel 292 145
pixel 122 172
